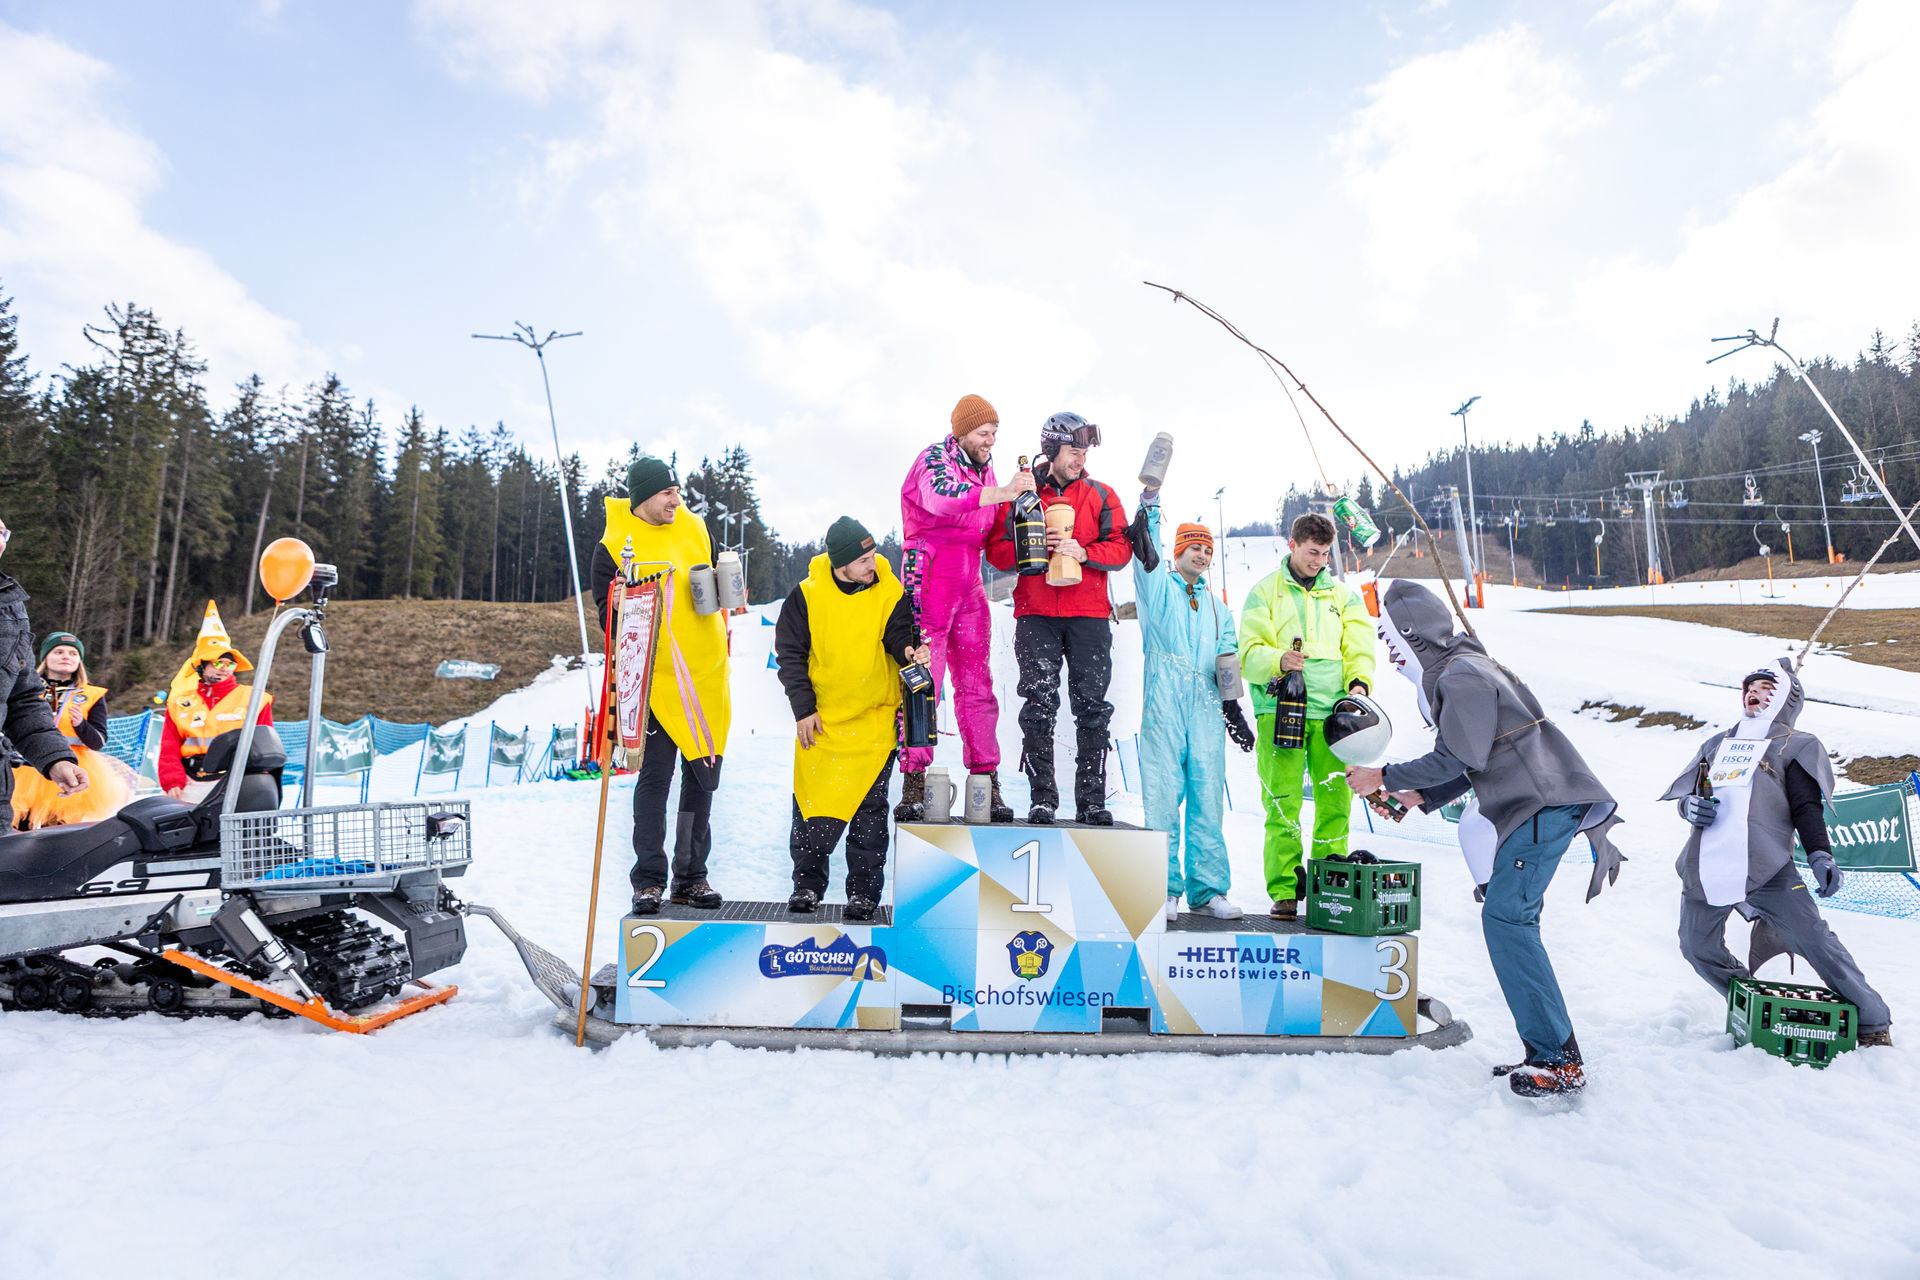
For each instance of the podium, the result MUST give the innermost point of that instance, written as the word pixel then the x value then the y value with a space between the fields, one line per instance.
pixel 1009 929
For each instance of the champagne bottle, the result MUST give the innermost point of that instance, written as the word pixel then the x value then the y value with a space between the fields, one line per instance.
pixel 1290 716
pixel 1029 532
pixel 917 701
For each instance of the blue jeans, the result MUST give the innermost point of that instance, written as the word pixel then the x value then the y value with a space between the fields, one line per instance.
pixel 1522 870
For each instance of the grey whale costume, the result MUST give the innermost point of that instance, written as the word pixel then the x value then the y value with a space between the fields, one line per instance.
pixel 1531 785
pixel 1743 860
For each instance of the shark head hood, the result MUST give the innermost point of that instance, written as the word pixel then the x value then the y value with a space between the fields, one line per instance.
pixel 1776 716
pixel 1418 633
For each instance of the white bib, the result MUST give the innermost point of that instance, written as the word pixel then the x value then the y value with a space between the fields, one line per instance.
pixel 1479 841
pixel 1723 846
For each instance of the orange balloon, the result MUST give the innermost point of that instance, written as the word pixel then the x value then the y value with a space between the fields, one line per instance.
pixel 286 567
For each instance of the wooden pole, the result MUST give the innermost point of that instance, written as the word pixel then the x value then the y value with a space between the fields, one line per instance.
pixel 615 593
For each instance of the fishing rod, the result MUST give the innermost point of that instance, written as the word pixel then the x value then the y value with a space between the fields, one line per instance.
pixel 1278 366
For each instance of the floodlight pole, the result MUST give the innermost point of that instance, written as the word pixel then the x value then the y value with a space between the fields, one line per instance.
pixel 1220 510
pixel 1814 438
pixel 524 335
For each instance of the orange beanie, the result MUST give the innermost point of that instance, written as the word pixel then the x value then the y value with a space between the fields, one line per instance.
pixel 971 412
pixel 1192 535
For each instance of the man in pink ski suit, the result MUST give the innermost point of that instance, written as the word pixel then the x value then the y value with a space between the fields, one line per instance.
pixel 947 504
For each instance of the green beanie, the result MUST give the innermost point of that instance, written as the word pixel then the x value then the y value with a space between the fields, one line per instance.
pixel 847 541
pixel 59 638
pixel 646 477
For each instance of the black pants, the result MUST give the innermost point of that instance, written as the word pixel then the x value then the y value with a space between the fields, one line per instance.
pixel 693 836
pixel 1087 645
pixel 813 840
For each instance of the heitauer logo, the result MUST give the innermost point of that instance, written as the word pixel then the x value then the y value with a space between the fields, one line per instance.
pixel 841 958
pixel 1029 954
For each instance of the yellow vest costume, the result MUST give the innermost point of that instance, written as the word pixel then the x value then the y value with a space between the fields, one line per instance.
pixel 110 786
pixel 689 697
pixel 199 724
pixel 856 690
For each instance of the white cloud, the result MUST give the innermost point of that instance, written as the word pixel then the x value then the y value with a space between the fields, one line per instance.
pixel 839 213
pixel 73 179
pixel 1447 135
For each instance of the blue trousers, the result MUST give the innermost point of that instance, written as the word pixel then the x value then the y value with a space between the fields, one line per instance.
pixel 1510 918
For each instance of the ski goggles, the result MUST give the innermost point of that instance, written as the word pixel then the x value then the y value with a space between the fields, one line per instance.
pixel 1070 428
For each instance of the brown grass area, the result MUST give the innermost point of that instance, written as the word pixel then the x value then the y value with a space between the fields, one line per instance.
pixel 382 655
pixel 1643 718
pixel 1406 564
pixel 1755 567
pixel 1878 771
pixel 1884 637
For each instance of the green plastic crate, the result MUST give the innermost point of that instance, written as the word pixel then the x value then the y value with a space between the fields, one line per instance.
pixel 1800 1024
pixel 1364 899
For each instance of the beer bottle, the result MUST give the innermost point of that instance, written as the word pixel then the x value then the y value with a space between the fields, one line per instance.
pixel 1702 781
pixel 1290 716
pixel 1029 532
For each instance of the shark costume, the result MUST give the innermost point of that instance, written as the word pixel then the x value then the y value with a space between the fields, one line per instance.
pixel 1768 779
pixel 1530 786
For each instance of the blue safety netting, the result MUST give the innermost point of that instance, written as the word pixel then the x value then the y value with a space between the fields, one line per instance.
pixel 127 737
pixel 389 737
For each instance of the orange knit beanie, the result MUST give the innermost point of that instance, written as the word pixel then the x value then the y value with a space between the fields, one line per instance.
pixel 971 412
pixel 1192 535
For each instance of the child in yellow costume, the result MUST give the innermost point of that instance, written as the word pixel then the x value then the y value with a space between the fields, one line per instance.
pixel 80 708
pixel 689 705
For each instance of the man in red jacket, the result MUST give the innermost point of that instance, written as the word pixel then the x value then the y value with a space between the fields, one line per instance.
pixel 1051 623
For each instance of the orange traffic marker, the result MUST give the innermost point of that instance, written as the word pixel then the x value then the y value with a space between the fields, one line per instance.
pixel 316 1008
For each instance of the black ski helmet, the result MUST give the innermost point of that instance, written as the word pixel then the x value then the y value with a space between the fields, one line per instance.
pixel 1067 428
pixel 1358 731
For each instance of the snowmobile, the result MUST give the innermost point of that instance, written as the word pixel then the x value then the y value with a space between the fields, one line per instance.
pixel 235 905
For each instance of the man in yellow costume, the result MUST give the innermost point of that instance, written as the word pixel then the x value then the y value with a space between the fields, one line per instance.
pixel 688 703
pixel 843 636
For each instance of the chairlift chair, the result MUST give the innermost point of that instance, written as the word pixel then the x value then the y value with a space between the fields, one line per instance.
pixel 1676 495
pixel 1752 496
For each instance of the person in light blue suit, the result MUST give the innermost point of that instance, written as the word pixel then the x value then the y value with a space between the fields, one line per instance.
pixel 1184 720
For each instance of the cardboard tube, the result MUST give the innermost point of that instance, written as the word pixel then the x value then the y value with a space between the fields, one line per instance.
pixel 1062 571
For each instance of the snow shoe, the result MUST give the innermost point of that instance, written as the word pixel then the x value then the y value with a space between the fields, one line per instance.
pixel 1536 1080
pixel 913 798
pixel 1571 1048
pixel 1284 909
pixel 1094 817
pixel 804 901
pixel 1877 1039
pixel 1219 908
pixel 698 894
pixel 646 902
pixel 1041 815
pixel 859 908
pixel 1173 908
pixel 999 810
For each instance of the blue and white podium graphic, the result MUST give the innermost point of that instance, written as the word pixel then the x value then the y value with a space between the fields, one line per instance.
pixel 1285 984
pixel 1027 928
pixel 742 973
pixel 1016 929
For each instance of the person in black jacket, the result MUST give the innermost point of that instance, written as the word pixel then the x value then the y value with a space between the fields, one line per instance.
pixel 842 638
pixel 29 727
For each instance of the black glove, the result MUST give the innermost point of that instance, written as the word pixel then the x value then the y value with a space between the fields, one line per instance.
pixel 1237 727
pixel 1699 810
pixel 1143 549
pixel 1273 687
pixel 1826 877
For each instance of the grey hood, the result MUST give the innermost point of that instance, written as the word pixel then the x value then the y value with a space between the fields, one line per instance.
pixel 1752 837
pixel 1518 761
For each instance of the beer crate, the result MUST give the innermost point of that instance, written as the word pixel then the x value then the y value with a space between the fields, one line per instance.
pixel 1800 1024
pixel 1363 899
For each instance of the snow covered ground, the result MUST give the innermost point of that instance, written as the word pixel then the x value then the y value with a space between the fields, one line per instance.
pixel 472 1140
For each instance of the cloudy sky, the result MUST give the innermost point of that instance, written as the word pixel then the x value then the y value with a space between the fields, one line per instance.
pixel 808 226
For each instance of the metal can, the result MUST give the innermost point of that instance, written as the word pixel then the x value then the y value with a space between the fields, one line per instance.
pixel 1355 517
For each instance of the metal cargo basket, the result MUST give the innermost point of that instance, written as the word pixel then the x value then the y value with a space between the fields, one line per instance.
pixel 344 846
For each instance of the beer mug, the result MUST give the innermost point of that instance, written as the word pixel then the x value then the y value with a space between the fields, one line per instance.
pixel 979 798
pixel 1226 675
pixel 1153 472
pixel 939 806
pixel 704 588
pixel 732 580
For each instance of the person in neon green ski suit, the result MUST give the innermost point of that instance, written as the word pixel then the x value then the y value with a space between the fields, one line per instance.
pixel 1303 599
pixel 1184 722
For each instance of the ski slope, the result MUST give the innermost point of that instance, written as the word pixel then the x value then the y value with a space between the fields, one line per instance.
pixel 474 1141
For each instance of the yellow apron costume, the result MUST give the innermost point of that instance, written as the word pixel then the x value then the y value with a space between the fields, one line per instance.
pixel 38 800
pixel 856 689
pixel 689 697
pixel 199 724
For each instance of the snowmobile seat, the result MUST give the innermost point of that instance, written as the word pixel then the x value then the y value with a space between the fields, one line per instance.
pixel 54 863
pixel 163 824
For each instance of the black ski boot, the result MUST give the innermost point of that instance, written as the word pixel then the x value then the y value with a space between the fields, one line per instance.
pixel 859 908
pixel 803 901
pixel 913 798
pixel 1571 1048
pixel 698 894
pixel 1098 816
pixel 646 902
pixel 1000 810
pixel 1041 815
pixel 1877 1039
pixel 1534 1081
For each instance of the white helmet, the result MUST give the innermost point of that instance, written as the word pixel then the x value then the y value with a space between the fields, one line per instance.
pixel 1358 731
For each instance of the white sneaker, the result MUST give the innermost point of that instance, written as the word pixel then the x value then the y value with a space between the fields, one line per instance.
pixel 1219 908
pixel 1173 909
